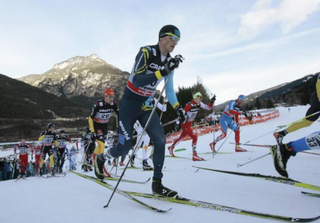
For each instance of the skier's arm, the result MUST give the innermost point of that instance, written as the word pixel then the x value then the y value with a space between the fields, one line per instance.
pixel 91 116
pixel 170 93
pixel 116 108
pixel 318 87
pixel 140 68
pixel 42 136
pixel 187 107
pixel 205 106
pixel 235 111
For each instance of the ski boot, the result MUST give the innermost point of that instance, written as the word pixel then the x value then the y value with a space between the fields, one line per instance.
pixel 170 148
pixel 239 149
pixel 106 173
pixel 195 157
pixel 122 160
pixel 281 154
pixel 213 146
pixel 89 168
pixel 146 166
pixel 160 190
pixel 279 136
pixel 98 167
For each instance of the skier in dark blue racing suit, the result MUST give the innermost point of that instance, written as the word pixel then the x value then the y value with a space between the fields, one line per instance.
pixel 152 65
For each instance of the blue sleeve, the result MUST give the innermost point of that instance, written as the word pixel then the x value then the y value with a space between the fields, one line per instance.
pixel 140 68
pixel 311 141
pixel 170 93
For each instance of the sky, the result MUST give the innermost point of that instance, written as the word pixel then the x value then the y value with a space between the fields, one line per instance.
pixel 235 47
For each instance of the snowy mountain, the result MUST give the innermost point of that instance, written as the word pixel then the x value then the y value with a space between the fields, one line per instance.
pixel 74 199
pixel 85 76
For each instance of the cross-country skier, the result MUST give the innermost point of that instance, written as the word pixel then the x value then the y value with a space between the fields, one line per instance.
pixel 281 153
pixel 145 141
pixel 87 140
pixel 37 154
pixel 99 118
pixel 314 108
pixel 192 108
pixel 23 149
pixel 61 145
pixel 230 118
pixel 72 157
pixel 152 65
pixel 47 138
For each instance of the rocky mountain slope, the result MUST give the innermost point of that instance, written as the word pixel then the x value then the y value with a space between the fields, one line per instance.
pixel 80 76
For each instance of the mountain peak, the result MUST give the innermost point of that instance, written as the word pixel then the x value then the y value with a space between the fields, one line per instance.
pixel 78 60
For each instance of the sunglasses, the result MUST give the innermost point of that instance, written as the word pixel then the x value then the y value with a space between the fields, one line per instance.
pixel 173 37
pixel 110 96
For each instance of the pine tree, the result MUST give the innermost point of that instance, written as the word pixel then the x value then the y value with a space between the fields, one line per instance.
pixel 270 104
pixel 257 103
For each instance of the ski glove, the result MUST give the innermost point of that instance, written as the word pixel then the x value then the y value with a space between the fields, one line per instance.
pixel 181 114
pixel 245 113
pixel 172 64
pixel 213 99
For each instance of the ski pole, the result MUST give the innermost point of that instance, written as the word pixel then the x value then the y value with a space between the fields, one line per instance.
pixel 214 131
pixel 260 136
pixel 239 165
pixel 136 146
pixel 299 120
pixel 168 123
pixel 214 153
pixel 282 126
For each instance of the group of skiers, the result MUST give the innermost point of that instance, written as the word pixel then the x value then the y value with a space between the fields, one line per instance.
pixel 153 64
pixel 51 144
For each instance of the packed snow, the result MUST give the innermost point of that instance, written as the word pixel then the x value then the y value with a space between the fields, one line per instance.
pixel 75 199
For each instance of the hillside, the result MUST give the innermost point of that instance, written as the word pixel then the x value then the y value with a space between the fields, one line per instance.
pixel 20 100
pixel 81 79
pixel 25 110
pixel 296 92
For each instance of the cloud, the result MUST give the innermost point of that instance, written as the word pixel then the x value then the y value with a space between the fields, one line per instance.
pixel 227 85
pixel 288 14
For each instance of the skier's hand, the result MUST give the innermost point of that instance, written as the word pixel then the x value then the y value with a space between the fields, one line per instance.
pixel 172 64
pixel 181 114
pixel 213 99
pixel 245 113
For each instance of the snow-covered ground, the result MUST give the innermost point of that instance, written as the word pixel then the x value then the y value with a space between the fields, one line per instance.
pixel 74 199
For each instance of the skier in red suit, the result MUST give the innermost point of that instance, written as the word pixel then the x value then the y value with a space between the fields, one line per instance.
pixel 192 109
